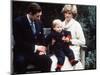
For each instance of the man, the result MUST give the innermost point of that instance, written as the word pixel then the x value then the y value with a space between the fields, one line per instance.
pixel 29 39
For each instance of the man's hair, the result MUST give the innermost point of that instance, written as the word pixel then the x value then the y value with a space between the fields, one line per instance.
pixel 34 8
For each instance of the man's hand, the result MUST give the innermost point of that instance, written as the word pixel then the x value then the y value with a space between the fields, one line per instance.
pixel 41 48
pixel 42 53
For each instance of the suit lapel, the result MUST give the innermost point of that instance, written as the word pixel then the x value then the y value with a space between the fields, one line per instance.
pixel 27 24
pixel 37 26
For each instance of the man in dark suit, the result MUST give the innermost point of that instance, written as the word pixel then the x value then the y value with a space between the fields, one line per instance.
pixel 28 39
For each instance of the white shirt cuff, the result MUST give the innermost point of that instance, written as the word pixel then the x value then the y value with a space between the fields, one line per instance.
pixel 36 47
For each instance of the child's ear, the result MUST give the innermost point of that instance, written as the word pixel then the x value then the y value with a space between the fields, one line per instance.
pixel 53 28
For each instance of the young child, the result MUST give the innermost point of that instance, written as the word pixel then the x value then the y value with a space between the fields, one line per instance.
pixel 59 41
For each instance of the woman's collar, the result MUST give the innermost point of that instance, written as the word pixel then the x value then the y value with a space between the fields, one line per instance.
pixel 69 24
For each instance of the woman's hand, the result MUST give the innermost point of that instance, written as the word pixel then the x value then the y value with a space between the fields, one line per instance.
pixel 67 39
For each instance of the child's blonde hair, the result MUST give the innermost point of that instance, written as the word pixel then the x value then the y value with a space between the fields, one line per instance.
pixel 56 22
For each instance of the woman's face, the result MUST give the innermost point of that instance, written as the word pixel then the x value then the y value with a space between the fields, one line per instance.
pixel 68 15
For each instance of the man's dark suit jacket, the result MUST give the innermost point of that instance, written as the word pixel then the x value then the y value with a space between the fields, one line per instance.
pixel 24 39
pixel 24 45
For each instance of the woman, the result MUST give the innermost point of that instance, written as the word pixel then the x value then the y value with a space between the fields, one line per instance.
pixel 70 24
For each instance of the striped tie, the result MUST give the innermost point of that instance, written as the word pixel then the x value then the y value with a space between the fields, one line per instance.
pixel 33 27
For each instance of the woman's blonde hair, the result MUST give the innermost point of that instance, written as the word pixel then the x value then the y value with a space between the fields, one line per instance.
pixel 70 7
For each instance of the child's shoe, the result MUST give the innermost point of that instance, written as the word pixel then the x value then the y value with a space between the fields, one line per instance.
pixel 73 62
pixel 58 69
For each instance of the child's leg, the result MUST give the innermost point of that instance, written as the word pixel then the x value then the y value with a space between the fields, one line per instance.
pixel 69 53
pixel 61 58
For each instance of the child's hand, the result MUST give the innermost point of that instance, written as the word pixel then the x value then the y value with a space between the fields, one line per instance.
pixel 53 42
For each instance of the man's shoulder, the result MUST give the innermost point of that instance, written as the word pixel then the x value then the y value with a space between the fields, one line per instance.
pixel 20 18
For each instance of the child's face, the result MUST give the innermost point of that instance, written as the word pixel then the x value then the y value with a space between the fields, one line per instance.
pixel 58 28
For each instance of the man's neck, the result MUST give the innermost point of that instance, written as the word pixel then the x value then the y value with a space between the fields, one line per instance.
pixel 30 18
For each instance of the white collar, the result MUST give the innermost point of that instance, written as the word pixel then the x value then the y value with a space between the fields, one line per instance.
pixel 69 24
pixel 28 18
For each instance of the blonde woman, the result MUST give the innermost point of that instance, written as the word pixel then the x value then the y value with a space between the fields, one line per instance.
pixel 70 24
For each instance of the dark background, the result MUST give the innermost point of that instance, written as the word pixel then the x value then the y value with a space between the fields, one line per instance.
pixel 86 16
